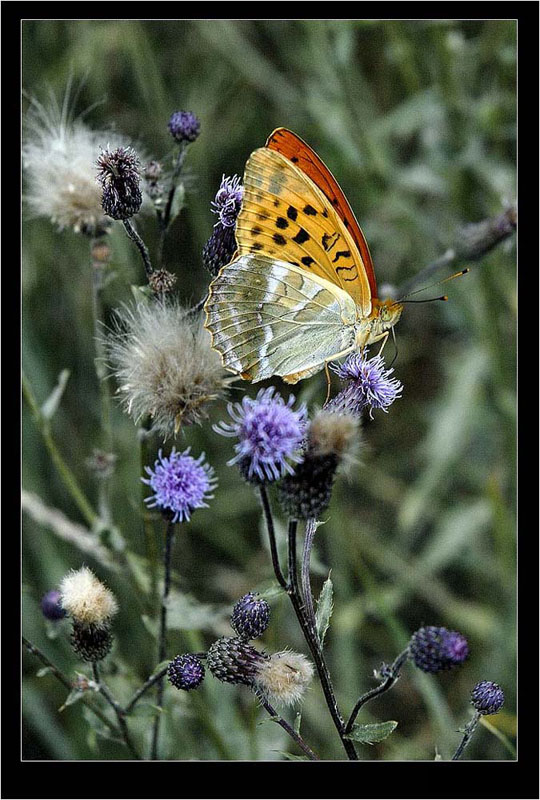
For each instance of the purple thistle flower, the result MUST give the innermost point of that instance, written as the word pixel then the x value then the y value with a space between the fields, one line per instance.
pixel 184 126
pixel 186 672
pixel 181 484
pixel 250 617
pixel 368 385
pixel 228 200
pixel 51 606
pixel 436 649
pixel 270 435
pixel 487 697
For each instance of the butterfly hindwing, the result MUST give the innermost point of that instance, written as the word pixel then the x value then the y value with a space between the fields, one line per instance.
pixel 287 217
pixel 268 317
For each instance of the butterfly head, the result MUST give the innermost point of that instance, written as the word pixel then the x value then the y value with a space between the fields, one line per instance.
pixel 387 314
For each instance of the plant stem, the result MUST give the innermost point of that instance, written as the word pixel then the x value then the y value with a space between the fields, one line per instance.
pixel 308 630
pixel 469 730
pixel 64 471
pixel 272 537
pixel 146 685
pixel 392 675
pixel 87 700
pixel 165 218
pixel 143 250
pixel 286 727
pixel 169 537
pixel 293 569
pixel 311 527
pixel 118 710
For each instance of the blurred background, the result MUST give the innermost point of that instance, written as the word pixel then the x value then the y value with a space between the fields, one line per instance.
pixel 416 119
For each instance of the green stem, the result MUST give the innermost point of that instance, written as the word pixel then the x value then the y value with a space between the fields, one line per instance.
pixel 169 537
pixel 311 527
pixel 467 736
pixel 391 678
pixel 118 710
pixel 288 728
pixel 64 471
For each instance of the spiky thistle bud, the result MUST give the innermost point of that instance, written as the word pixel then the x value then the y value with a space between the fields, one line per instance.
pixel 436 649
pixel 186 672
pixel 184 126
pixel 250 617
pixel 232 660
pixel 487 697
pixel 118 174
pixel 219 249
pixel 331 439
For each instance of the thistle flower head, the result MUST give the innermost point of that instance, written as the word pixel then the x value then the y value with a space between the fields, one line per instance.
pixel 180 484
pixel 118 174
pixel 250 617
pixel 436 649
pixel 86 599
pixel 487 697
pixel 186 672
pixel 232 660
pixel 51 607
pixel 184 126
pixel 228 200
pixel 164 364
pixel 270 433
pixel 368 385
pixel 59 154
pixel 283 677
pixel 90 642
pixel 334 434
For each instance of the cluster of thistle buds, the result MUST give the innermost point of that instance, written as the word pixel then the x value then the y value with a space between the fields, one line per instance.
pixel 280 677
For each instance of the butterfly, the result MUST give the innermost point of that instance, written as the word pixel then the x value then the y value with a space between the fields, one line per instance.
pixel 300 290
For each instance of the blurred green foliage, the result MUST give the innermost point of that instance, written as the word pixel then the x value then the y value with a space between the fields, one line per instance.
pixel 417 121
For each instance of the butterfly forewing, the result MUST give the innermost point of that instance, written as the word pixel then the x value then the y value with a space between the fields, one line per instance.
pixel 301 155
pixel 268 317
pixel 286 216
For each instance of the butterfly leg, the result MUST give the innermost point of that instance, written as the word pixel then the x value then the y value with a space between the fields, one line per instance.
pixel 384 338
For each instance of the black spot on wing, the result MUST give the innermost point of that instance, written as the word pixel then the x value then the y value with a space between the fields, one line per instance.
pixel 279 239
pixel 307 261
pixel 292 213
pixel 310 211
pixel 282 223
pixel 341 254
pixel 256 230
pixel 301 237
pixel 294 159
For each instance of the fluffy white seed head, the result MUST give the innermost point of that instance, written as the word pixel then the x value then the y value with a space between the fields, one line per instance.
pixel 164 365
pixel 86 599
pixel 59 160
pixel 332 434
pixel 284 677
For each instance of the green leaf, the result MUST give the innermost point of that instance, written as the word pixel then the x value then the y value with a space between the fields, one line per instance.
pixel 325 606
pixel 297 722
pixel 50 406
pixel 369 734
pixel 178 202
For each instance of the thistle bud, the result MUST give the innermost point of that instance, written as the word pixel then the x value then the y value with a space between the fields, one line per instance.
pixel 51 606
pixel 232 660
pixel 91 643
pixel 487 697
pixel 184 126
pixel 186 672
pixel 250 616
pixel 436 649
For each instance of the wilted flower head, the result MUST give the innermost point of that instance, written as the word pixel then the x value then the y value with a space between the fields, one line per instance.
pixel 284 677
pixel 332 439
pixel 369 385
pixel 164 364
pixel 269 432
pixel 51 606
pixel 59 155
pixel 281 677
pixel 228 200
pixel 180 483
pixel 487 697
pixel 184 126
pixel 435 649
pixel 86 599
pixel 118 174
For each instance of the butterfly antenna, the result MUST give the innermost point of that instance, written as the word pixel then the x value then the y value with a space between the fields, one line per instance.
pixel 435 283
pixel 396 348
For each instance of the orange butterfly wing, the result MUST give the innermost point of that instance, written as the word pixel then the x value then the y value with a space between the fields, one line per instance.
pixel 299 153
